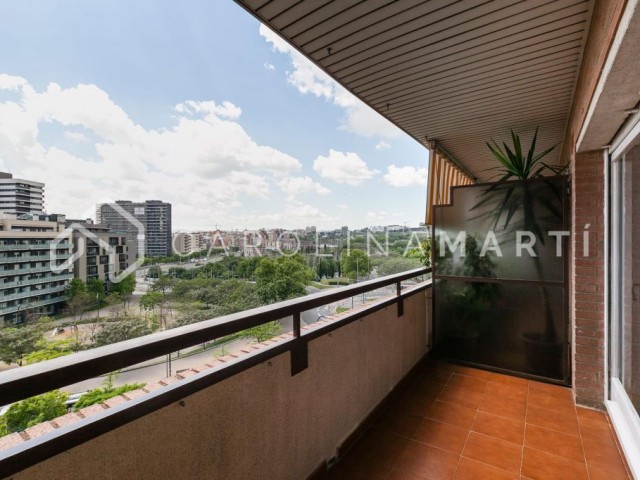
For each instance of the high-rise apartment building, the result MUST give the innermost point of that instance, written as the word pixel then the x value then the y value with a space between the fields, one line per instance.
pixel 29 287
pixel 153 217
pixel 103 254
pixel 20 196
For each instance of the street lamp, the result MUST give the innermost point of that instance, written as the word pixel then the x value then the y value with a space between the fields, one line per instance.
pixel 20 305
pixel 98 302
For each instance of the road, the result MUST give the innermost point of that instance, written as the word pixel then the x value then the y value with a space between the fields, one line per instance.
pixel 157 369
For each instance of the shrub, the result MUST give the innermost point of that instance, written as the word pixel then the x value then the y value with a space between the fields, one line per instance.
pixel 35 410
pixel 265 331
pixel 99 395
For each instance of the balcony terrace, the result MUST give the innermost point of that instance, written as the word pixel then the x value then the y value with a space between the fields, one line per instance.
pixel 352 396
pixel 357 395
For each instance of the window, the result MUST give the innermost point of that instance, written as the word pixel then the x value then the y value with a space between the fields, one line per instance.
pixel 626 289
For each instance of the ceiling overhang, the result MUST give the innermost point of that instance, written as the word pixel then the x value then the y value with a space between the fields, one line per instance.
pixel 615 106
pixel 458 72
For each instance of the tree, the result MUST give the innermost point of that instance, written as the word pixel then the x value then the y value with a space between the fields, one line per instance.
pixel 154 271
pixel 355 264
pixel 79 303
pixel 326 268
pixel 163 284
pixel 265 331
pixel 236 296
pixel 151 300
pixel 392 265
pixel 46 350
pixel 35 410
pixel 422 252
pixel 75 287
pixel 121 330
pixel 192 315
pixel 282 278
pixel 246 267
pixel 125 288
pixel 160 288
pixel 212 270
pixel 16 343
pixel 96 290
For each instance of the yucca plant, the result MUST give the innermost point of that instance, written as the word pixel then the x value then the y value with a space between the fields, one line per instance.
pixel 517 205
pixel 510 198
pixel 517 166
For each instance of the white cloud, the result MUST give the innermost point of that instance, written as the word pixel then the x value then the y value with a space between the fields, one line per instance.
pixel 203 161
pixel 9 82
pixel 384 217
pixel 382 145
pixel 406 176
pixel 226 110
pixel 309 79
pixel 269 66
pixel 293 186
pixel 76 136
pixel 343 167
pixel 295 214
pixel 377 215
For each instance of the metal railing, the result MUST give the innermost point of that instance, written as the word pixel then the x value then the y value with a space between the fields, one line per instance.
pixel 39 303
pixel 24 271
pixel 33 258
pixel 6 247
pixel 36 281
pixel 32 293
pixel 30 380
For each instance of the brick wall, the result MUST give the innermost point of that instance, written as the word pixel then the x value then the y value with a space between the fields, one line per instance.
pixel 588 299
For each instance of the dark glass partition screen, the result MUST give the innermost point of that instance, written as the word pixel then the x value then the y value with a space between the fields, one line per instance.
pixel 500 254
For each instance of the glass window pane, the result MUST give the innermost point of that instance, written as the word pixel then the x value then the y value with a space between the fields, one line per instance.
pixel 630 268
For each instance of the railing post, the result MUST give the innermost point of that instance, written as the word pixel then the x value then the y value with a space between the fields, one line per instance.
pixel 400 301
pixel 299 351
pixel 296 324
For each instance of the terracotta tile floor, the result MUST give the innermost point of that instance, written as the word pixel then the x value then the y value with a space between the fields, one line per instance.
pixel 453 422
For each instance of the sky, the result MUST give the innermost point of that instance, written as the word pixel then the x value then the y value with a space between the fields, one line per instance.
pixel 197 104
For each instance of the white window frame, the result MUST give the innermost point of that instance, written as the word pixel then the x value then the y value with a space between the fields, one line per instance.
pixel 624 417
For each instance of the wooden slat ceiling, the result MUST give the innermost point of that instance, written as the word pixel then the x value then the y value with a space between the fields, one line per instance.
pixel 459 72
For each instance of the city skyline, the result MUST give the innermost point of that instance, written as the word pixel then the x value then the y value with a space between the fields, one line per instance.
pixel 218 128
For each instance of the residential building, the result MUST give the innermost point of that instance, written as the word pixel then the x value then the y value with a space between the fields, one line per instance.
pixel 20 196
pixel 146 225
pixel 103 255
pixel 29 287
pixel 255 243
pixel 182 243
pixel 185 243
pixel 359 394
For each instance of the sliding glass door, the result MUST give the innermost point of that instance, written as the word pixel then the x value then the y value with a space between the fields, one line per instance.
pixel 624 332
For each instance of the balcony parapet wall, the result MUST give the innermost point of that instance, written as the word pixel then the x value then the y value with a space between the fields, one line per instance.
pixel 260 419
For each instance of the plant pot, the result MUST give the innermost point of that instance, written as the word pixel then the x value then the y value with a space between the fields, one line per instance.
pixel 542 357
